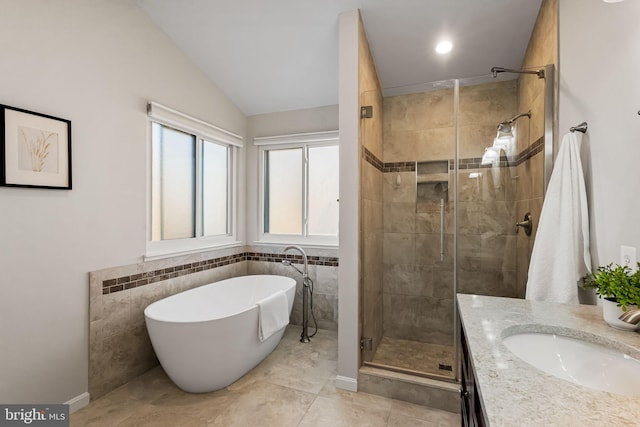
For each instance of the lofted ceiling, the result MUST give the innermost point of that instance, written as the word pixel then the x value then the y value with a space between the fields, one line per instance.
pixel 281 55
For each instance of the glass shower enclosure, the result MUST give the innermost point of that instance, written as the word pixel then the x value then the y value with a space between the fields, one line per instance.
pixel 441 193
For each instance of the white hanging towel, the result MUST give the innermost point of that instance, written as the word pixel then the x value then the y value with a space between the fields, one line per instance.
pixel 560 256
pixel 273 314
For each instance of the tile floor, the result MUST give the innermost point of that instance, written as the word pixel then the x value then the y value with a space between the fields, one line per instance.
pixel 294 386
pixel 414 355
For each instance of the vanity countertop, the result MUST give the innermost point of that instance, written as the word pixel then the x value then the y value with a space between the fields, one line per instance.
pixel 515 393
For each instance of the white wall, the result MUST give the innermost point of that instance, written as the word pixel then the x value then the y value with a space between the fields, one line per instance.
pixel 599 83
pixel 95 63
pixel 283 123
pixel 348 276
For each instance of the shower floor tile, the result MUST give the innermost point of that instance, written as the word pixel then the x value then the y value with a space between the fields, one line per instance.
pixel 415 356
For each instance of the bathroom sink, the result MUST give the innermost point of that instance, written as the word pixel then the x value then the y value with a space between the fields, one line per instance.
pixel 580 362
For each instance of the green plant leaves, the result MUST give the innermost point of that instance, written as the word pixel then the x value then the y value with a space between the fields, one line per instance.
pixel 618 283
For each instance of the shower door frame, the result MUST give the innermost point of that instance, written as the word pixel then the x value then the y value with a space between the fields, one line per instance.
pixel 550 134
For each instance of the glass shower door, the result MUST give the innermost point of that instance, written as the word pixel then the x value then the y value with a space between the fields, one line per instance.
pixel 442 190
pixel 501 179
pixel 411 299
pixel 486 196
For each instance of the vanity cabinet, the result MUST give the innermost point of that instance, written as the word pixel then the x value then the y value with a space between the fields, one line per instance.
pixel 471 410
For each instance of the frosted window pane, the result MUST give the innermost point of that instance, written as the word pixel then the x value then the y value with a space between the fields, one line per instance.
pixel 173 195
pixel 283 191
pixel 214 189
pixel 323 191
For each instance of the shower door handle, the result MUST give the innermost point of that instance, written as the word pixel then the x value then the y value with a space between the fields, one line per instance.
pixel 441 229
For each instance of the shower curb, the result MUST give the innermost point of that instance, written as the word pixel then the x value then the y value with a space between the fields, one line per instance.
pixel 421 391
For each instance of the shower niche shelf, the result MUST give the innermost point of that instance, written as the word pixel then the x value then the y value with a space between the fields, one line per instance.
pixel 432 182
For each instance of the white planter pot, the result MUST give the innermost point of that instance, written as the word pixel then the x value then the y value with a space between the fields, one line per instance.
pixel 611 313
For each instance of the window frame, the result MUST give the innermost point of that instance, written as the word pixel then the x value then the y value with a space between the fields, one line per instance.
pixel 304 141
pixel 183 123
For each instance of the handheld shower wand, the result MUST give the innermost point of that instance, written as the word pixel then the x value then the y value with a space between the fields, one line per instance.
pixel 288 264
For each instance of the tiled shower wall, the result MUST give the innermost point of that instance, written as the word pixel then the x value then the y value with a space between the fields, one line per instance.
pixel 418 286
pixel 486 217
pixel 542 50
pixel 119 346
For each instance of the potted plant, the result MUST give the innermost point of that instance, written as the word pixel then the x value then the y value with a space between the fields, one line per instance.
pixel 619 287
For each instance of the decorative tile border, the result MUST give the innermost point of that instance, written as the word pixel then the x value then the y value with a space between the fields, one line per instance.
pixel 505 162
pixel 530 151
pixel 388 167
pixel 399 167
pixel 476 163
pixel 373 160
pixel 135 280
pixel 296 259
pixel 467 163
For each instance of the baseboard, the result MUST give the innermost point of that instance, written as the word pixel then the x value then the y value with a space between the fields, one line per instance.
pixel 78 402
pixel 346 383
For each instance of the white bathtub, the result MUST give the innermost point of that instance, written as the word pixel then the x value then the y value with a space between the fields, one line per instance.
pixel 207 337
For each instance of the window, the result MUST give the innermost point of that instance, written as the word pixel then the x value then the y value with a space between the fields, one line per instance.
pixel 283 191
pixel 300 188
pixel 192 182
pixel 173 183
pixel 215 161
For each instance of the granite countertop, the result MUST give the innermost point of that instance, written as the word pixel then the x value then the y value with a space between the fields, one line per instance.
pixel 515 393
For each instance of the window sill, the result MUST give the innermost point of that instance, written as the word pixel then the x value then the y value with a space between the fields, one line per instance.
pixel 279 240
pixel 155 251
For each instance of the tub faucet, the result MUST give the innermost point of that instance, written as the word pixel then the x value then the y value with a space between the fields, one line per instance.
pixel 304 273
pixel 306 284
pixel 631 316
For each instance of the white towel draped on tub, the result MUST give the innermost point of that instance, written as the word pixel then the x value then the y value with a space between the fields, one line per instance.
pixel 273 314
pixel 561 256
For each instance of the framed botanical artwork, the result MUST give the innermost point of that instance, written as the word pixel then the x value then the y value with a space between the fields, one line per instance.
pixel 35 149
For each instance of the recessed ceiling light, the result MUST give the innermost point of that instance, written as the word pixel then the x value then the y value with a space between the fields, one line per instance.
pixel 612 1
pixel 444 47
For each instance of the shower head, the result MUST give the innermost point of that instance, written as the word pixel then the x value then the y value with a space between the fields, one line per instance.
pixel 505 129
pixel 496 70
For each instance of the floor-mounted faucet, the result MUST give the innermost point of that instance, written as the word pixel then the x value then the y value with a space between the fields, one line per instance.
pixel 307 291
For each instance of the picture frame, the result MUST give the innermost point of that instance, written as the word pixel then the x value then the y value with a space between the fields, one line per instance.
pixel 35 149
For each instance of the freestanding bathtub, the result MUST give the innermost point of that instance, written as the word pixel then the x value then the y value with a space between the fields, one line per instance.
pixel 207 337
